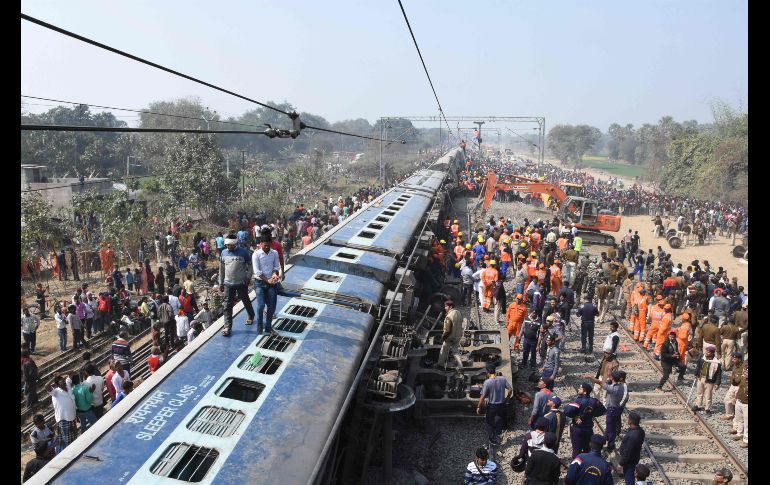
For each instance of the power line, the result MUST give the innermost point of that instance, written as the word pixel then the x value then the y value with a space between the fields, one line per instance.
pixel 440 110
pixel 342 133
pixel 144 61
pixel 119 129
pixel 133 110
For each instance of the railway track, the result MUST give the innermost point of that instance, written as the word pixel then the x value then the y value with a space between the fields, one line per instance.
pixel 681 445
pixel 139 366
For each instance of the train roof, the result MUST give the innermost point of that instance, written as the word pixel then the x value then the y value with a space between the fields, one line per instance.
pixel 188 424
pixel 347 260
pixel 387 226
pixel 334 286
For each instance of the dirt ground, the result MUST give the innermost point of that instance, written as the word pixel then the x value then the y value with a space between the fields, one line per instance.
pixel 717 253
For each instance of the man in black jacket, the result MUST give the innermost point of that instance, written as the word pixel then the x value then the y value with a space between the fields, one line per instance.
pixel 669 358
pixel 631 448
pixel 543 466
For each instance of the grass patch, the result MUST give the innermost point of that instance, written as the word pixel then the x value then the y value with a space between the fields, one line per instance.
pixel 616 168
pixel 592 158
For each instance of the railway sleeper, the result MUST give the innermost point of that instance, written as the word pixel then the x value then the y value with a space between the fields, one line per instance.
pixel 702 478
pixel 689 457
pixel 686 439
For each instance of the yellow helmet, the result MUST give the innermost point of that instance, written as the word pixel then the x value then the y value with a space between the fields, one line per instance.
pixel 492 262
pixel 457 265
pixel 481 239
pixel 527 232
pixel 443 242
pixel 456 221
pixel 524 245
pixel 533 253
pixel 507 240
pixel 467 246
pixel 459 233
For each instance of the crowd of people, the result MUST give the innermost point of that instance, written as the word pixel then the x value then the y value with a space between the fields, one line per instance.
pixel 681 313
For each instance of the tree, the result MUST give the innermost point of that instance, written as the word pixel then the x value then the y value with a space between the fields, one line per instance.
pixel 569 143
pixel 39 231
pixel 193 176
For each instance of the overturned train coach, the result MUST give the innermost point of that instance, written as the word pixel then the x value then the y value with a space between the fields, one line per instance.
pixel 278 408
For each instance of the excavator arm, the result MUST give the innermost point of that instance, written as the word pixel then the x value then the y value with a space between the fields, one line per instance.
pixel 520 184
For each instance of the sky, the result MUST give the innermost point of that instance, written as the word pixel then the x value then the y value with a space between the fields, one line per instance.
pixel 570 61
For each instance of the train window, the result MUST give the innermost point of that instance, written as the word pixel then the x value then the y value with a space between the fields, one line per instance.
pixel 290 325
pixel 382 219
pixel 276 342
pixel 216 421
pixel 241 390
pixel 346 255
pixel 376 226
pixel 185 462
pixel 394 207
pixel 267 365
pixel 330 278
pixel 367 234
pixel 389 213
pixel 302 311
pixel 398 204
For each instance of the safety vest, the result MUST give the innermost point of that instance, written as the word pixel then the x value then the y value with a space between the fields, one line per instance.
pixel 455 229
pixel 540 276
pixel 577 243
pixel 505 256
pixel 489 276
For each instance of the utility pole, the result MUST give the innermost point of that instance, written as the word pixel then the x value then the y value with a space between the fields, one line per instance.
pixel 479 139
pixel 381 181
pixel 227 160
pixel 128 161
pixel 243 174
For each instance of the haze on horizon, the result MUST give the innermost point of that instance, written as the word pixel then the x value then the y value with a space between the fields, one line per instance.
pixel 572 62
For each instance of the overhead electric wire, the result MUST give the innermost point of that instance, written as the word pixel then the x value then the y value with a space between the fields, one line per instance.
pixel 342 133
pixel 185 76
pixel 137 111
pixel 144 61
pixel 440 110
pixel 118 129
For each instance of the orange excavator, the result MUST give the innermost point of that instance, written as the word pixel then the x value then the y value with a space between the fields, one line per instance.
pixel 583 213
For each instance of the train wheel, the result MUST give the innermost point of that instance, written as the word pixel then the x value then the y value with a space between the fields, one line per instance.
pixel 739 251
pixel 670 232
pixel 452 292
pixel 674 242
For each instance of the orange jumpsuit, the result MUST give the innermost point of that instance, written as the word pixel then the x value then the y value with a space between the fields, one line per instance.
pixel 664 328
pixel 55 263
pixel 561 243
pixel 514 317
pixel 488 278
pixel 656 314
pixel 682 339
pixel 630 303
pixel 640 321
pixel 534 238
pixel 109 260
pixel 555 279
pixel 459 250
pixel 454 229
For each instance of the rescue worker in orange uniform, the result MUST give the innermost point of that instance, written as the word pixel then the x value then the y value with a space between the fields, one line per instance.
pixel 656 314
pixel 514 317
pixel 488 278
pixel 459 250
pixel 664 328
pixel 535 239
pixel 555 277
pixel 454 228
pixel 683 335
pixel 639 315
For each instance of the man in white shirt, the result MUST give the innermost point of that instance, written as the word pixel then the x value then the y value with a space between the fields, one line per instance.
pixel 204 316
pixel 182 326
pixel 267 270
pixel 64 411
pixel 29 324
pixel 95 379
pixel 174 302
pixel 61 328
pixel 119 376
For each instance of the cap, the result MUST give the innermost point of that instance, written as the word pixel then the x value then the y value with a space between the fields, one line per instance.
pixel 586 387
pixel 555 400
pixel 457 265
pixel 449 303
pixel 442 241
pixel 738 355
pixel 492 262
pixel 598 439
pixel 533 253
pixel 490 367
pixel 710 348
pixel 549 318
pixel 459 233
pixel 642 471
pixel 523 245
pixel 456 221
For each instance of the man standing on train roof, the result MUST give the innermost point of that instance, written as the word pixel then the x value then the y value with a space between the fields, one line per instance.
pixel 234 274
pixel 267 274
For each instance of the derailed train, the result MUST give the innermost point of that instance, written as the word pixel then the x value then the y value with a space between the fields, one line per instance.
pixel 215 413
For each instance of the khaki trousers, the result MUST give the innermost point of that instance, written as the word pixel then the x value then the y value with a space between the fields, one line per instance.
pixel 727 353
pixel 741 420
pixel 449 346
pixel 701 388
pixel 730 397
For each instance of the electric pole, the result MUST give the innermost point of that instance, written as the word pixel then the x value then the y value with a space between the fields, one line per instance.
pixel 243 174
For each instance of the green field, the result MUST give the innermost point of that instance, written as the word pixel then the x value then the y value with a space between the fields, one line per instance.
pixel 615 168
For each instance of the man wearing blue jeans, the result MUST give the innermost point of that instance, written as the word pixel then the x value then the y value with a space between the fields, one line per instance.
pixel 61 327
pixel 267 270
